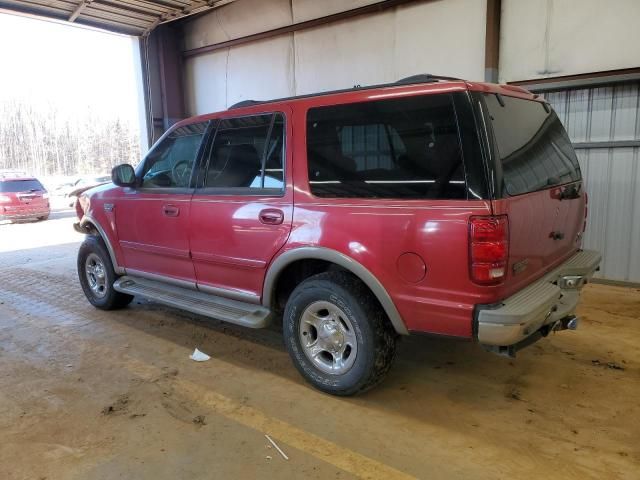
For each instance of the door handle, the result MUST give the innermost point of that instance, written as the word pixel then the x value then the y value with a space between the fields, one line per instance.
pixel 271 216
pixel 170 210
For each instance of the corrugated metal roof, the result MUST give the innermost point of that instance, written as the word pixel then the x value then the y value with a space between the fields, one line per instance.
pixel 133 17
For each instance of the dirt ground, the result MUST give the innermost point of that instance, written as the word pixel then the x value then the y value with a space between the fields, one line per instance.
pixel 86 394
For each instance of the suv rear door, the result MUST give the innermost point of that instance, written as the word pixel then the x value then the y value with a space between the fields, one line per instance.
pixel 538 185
pixel 241 211
pixel 153 219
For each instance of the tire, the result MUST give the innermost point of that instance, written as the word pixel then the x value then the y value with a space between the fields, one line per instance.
pixel 336 312
pixel 98 284
pixel 43 218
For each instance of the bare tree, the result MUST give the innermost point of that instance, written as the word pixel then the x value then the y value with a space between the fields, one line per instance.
pixel 44 141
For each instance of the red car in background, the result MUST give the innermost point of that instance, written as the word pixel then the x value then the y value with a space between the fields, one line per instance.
pixel 23 198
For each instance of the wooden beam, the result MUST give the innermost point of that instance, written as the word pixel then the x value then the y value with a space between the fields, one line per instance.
pixel 81 6
pixel 492 41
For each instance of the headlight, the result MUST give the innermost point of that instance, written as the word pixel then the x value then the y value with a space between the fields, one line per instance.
pixel 4 199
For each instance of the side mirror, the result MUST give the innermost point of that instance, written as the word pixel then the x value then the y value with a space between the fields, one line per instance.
pixel 123 175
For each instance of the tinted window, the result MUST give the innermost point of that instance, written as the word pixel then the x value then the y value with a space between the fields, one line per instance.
pixel 10 186
pixel 401 148
pixel 247 152
pixel 274 156
pixel 169 164
pixel 534 148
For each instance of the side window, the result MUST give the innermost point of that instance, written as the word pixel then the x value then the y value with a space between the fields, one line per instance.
pixel 247 152
pixel 274 155
pixel 169 164
pixel 371 146
pixel 400 148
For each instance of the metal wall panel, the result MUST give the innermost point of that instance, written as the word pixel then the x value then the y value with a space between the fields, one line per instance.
pixel 612 174
pixel 557 38
pixel 368 49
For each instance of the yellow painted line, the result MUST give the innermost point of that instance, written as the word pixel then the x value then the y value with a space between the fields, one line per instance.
pixel 354 463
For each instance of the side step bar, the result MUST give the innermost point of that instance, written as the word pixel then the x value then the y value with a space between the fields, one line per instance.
pixel 219 308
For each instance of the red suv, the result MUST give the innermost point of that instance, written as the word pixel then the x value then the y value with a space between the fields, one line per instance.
pixel 22 198
pixel 432 205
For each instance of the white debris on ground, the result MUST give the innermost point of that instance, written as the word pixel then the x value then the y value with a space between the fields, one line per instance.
pixel 198 356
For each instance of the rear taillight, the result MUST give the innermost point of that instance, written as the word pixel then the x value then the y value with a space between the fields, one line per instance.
pixel 488 249
pixel 4 199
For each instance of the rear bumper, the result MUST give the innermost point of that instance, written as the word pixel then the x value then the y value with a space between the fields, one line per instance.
pixel 23 213
pixel 545 302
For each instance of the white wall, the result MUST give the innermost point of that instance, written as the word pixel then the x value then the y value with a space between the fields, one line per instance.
pixel 445 37
pixel 551 38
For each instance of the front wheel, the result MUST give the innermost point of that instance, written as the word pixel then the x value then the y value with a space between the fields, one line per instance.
pixel 96 275
pixel 337 334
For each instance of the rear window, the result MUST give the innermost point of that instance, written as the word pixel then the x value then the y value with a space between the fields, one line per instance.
pixel 400 148
pixel 12 186
pixel 534 147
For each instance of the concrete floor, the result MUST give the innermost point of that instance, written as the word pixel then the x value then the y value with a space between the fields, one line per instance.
pixel 86 394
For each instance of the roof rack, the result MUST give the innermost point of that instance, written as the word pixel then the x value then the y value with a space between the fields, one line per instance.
pixel 245 103
pixel 414 79
pixel 425 78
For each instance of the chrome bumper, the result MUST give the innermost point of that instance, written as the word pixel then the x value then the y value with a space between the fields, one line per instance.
pixel 545 302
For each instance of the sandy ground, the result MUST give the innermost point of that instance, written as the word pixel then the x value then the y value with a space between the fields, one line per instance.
pixel 86 394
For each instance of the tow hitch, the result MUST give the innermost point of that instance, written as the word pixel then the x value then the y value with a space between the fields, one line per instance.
pixel 569 322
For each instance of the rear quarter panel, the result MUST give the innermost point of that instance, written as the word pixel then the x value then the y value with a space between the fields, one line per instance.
pixel 377 232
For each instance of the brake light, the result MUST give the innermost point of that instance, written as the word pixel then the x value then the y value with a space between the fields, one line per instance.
pixel 488 249
pixel 4 199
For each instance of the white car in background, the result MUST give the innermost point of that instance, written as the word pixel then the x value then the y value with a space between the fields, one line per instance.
pixel 70 191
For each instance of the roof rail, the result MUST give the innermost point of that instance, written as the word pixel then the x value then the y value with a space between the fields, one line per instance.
pixel 421 78
pixel 424 78
pixel 245 103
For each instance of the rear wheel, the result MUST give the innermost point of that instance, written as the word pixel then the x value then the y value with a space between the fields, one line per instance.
pixel 337 334
pixel 96 275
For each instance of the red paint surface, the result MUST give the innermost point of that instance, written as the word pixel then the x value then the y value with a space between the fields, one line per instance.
pixel 411 267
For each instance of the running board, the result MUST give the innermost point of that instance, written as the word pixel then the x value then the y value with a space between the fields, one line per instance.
pixel 219 308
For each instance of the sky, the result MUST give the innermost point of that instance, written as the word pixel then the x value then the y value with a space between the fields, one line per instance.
pixel 71 67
